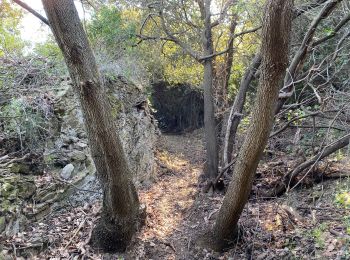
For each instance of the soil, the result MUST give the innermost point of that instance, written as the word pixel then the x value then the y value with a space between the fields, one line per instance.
pixel 306 223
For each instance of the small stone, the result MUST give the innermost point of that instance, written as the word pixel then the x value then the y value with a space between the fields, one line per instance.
pixel 81 145
pixel 78 156
pixel 67 171
pixel 5 255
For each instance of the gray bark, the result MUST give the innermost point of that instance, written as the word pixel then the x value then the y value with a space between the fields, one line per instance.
pixel 120 212
pixel 211 137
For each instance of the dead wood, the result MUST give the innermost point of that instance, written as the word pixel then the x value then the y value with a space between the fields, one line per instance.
pixel 290 177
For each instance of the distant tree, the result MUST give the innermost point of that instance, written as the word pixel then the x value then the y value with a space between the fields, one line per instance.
pixel 120 215
pixel 274 51
pixel 10 40
pixel 194 28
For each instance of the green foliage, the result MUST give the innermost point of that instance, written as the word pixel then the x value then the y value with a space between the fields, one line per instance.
pixel 49 49
pixel 343 199
pixel 318 234
pixel 26 120
pixel 10 40
pixel 108 29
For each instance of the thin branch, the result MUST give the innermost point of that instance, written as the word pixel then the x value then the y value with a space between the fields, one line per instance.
pixel 343 22
pixel 223 13
pixel 32 11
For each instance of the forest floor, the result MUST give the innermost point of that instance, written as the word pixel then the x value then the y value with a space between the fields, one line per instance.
pixel 307 223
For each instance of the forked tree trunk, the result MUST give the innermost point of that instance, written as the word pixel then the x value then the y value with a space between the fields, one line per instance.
pixel 211 137
pixel 120 212
pixel 275 42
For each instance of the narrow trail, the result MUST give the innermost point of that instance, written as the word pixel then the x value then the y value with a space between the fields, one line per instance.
pixel 170 198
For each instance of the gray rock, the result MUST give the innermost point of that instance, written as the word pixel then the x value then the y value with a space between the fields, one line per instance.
pixel 81 145
pixel 136 127
pixel 2 224
pixel 77 156
pixel 67 171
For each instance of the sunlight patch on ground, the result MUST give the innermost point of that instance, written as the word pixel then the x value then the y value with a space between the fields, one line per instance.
pixel 170 198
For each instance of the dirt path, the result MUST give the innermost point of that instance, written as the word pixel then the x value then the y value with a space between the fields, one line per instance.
pixel 170 199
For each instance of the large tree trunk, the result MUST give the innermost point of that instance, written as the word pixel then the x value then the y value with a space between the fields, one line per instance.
pixel 275 41
pixel 211 137
pixel 120 213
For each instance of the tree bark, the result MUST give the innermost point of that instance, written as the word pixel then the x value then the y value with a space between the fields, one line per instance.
pixel 275 43
pixel 120 212
pixel 211 137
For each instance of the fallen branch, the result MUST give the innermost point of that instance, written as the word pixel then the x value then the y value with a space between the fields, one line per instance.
pixel 15 160
pixel 75 233
pixel 222 171
pixel 338 234
pixel 290 176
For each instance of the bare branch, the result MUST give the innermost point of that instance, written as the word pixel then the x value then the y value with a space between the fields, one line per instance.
pixel 343 22
pixel 32 11
pixel 223 12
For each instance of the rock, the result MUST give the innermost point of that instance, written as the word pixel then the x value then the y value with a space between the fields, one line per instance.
pixel 136 126
pixel 2 224
pixel 13 187
pixel 21 168
pixel 81 145
pixel 5 255
pixel 67 171
pixel 77 155
pixel 32 164
pixel 178 107
pixel 56 158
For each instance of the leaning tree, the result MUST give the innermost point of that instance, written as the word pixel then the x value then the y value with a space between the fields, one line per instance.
pixel 274 50
pixel 120 216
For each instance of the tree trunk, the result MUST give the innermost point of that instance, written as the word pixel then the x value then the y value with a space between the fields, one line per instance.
pixel 237 109
pixel 120 213
pixel 287 89
pixel 211 137
pixel 275 41
pixel 222 76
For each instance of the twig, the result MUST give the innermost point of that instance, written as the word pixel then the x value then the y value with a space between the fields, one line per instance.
pixel 76 187
pixel 31 10
pixel 338 234
pixel 75 233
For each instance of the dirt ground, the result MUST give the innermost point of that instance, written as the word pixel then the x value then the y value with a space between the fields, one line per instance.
pixel 309 222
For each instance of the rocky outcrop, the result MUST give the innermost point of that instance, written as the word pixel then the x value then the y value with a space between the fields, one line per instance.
pixel 136 126
pixel 34 182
